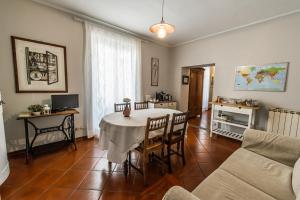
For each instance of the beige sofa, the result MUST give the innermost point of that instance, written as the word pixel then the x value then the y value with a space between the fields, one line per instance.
pixel 262 169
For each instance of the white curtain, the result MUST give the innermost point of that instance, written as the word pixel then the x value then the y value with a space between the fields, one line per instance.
pixel 206 88
pixel 112 71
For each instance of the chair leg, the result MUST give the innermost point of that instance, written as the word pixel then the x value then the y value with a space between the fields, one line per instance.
pixel 182 152
pixel 162 155
pixel 129 164
pixel 145 169
pixel 169 159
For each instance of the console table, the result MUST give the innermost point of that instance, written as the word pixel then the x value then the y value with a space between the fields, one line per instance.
pixel 231 120
pixel 66 127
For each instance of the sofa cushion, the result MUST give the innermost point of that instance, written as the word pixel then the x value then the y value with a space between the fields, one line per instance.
pixel 179 193
pixel 265 174
pixel 223 185
pixel 296 179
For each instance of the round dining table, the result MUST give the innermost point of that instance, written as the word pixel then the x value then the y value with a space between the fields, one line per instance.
pixel 120 134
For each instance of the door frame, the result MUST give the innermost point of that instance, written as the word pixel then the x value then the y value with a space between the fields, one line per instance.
pixel 184 91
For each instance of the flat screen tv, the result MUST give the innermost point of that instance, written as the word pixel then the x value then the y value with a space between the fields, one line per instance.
pixel 64 102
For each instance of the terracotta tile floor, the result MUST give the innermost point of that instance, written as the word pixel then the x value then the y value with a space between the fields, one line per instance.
pixel 85 173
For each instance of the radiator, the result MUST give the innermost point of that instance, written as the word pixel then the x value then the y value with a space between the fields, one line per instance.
pixel 284 122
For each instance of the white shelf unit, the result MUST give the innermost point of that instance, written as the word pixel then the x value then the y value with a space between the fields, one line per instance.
pixel 242 117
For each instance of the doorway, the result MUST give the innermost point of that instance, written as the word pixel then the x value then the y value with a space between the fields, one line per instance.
pixel 198 93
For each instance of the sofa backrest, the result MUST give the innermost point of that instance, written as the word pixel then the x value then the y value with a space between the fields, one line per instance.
pixel 283 149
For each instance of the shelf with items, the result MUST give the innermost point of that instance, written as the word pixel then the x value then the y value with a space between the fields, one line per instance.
pixel 231 120
pixel 232 123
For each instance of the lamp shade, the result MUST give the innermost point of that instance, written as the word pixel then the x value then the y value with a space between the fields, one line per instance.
pixel 162 29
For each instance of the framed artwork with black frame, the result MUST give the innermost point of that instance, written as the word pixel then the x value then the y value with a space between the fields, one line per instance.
pixel 40 67
pixel 185 80
pixel 154 71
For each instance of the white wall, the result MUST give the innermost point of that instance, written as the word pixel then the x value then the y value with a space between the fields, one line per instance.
pixel 33 21
pixel 274 41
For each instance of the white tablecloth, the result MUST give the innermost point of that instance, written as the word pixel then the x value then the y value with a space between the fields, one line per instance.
pixel 121 134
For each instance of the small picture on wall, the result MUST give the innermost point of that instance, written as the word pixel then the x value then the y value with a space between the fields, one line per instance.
pixel 154 71
pixel 185 80
pixel 268 77
pixel 39 66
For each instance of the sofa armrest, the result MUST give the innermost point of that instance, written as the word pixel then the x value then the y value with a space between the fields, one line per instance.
pixel 283 149
pixel 179 193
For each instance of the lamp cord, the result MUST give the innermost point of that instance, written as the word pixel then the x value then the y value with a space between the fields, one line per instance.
pixel 162 10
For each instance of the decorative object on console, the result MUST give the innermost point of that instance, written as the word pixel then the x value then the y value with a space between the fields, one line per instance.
pixel 46 109
pixel 154 71
pixel 39 66
pixel 284 122
pixel 126 111
pixel 269 77
pixel 185 80
pixel 35 109
pixel 162 96
pixel 237 102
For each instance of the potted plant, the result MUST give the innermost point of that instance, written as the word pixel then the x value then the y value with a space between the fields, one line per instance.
pixel 35 109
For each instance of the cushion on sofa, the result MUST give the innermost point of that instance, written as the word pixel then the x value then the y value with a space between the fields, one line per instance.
pixel 179 193
pixel 223 185
pixel 296 179
pixel 265 174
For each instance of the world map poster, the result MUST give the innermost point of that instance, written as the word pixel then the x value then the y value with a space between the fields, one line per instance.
pixel 270 77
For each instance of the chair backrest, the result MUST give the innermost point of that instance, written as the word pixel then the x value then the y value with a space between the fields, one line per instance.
pixel 178 120
pixel 159 124
pixel 140 105
pixel 120 107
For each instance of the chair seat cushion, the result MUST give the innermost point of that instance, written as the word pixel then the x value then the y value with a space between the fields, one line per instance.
pixel 269 176
pixel 221 185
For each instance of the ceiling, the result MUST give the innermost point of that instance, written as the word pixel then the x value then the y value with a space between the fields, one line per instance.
pixel 193 19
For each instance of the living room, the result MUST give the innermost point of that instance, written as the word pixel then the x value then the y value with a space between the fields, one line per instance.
pixel 99 54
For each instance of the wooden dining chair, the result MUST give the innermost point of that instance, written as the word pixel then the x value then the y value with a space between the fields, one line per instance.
pixel 176 136
pixel 140 105
pixel 155 135
pixel 120 107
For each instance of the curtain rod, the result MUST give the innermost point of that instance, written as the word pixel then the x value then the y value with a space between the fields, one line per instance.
pixel 79 19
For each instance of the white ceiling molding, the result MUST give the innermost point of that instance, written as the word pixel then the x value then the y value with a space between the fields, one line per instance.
pixel 78 15
pixel 237 28
pixel 82 17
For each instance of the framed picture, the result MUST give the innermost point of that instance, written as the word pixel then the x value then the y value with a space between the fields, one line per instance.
pixel 185 80
pixel 268 77
pixel 39 67
pixel 154 71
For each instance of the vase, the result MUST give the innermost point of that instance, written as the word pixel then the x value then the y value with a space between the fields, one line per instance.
pixel 36 113
pixel 126 111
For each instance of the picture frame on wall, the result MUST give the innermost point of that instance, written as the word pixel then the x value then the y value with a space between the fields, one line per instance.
pixel 267 77
pixel 39 67
pixel 154 71
pixel 185 80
